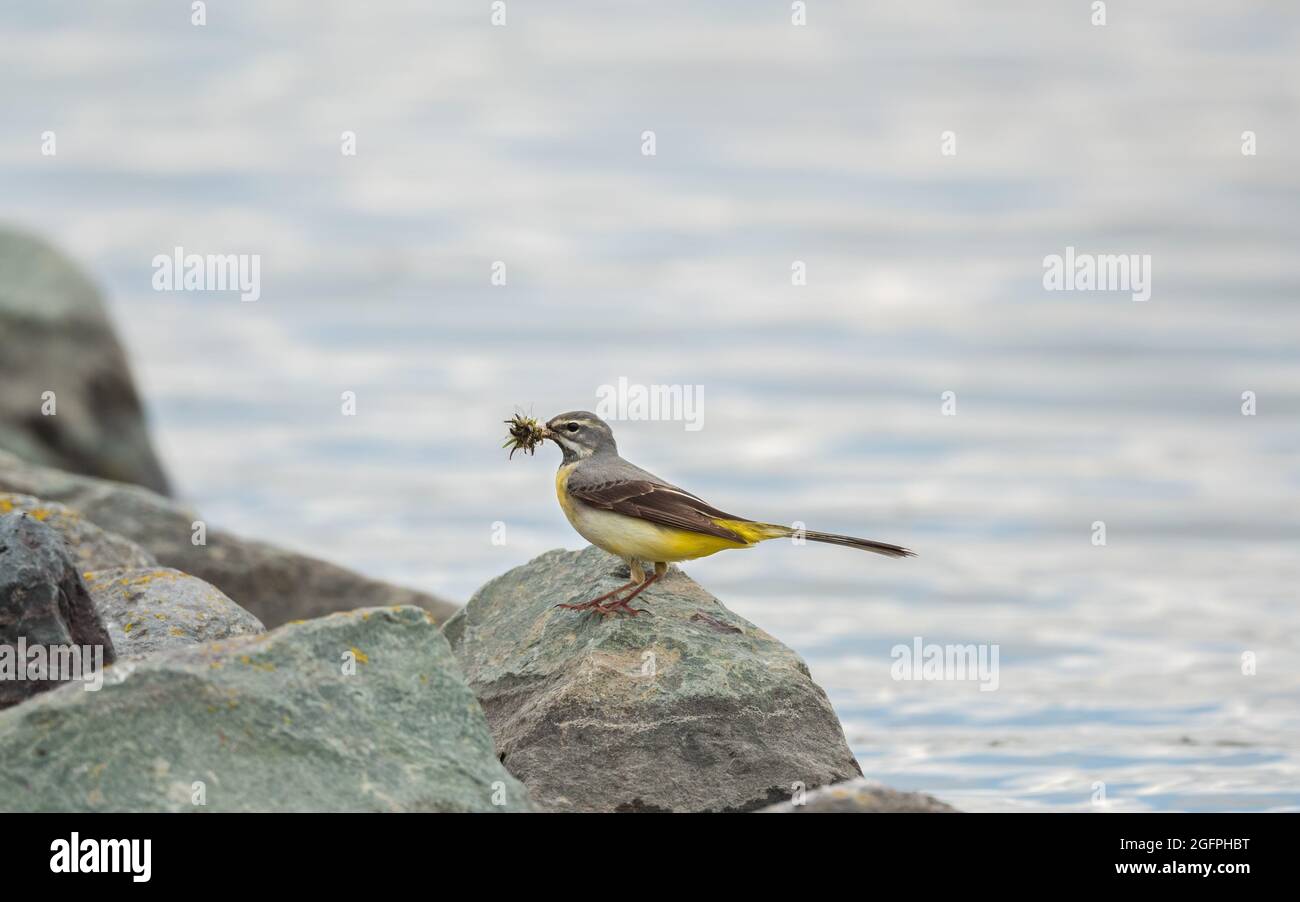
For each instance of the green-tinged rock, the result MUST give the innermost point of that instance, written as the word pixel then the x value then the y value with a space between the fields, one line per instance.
pixel 150 610
pixel 359 711
pixel 49 628
pixel 69 400
pixel 687 708
pixel 860 797
pixel 273 584
pixel 92 548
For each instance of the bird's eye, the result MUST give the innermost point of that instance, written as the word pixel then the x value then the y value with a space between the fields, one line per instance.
pixel 572 427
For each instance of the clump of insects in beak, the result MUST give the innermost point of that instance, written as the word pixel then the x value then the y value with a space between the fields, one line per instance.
pixel 525 434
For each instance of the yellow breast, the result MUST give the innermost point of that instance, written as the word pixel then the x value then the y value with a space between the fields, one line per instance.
pixel 631 537
pixel 561 491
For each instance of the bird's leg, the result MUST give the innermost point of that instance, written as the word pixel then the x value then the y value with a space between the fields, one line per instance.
pixel 635 572
pixel 621 604
pixel 596 602
pixel 639 580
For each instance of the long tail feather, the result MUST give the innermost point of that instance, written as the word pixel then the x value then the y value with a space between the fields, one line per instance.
pixel 865 544
pixel 757 532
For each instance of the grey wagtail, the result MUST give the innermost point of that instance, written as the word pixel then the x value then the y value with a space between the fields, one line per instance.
pixel 637 516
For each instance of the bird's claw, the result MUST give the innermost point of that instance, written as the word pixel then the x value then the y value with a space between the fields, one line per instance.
pixel 604 610
pixel 620 606
pixel 585 606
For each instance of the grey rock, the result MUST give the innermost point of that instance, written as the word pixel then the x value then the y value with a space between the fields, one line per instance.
pixel 687 708
pixel 55 335
pixel 861 797
pixel 92 548
pixel 43 603
pixel 273 584
pixel 266 723
pixel 154 609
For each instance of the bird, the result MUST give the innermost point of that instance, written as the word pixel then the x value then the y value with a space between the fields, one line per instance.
pixel 635 515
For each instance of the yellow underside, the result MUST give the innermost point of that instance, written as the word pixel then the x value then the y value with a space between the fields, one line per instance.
pixel 636 539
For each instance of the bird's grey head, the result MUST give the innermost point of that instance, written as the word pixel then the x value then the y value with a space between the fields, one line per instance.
pixel 580 434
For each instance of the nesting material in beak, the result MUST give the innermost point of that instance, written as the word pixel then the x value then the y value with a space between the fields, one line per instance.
pixel 525 434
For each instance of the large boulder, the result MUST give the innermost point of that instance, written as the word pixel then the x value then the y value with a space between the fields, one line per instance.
pixel 860 797
pixel 144 607
pixel 55 336
pixel 44 607
pixel 686 708
pixel 359 711
pixel 153 609
pixel 92 548
pixel 273 584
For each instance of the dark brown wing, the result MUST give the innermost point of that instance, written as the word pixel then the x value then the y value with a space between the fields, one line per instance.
pixel 662 504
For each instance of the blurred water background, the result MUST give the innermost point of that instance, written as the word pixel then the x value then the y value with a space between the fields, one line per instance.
pixel 1119 665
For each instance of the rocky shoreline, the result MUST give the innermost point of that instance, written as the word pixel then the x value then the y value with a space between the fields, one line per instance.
pixel 512 705
pixel 238 676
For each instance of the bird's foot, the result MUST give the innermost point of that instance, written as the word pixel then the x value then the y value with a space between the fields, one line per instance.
pixel 603 606
pixel 621 606
pixel 593 605
pixel 596 604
